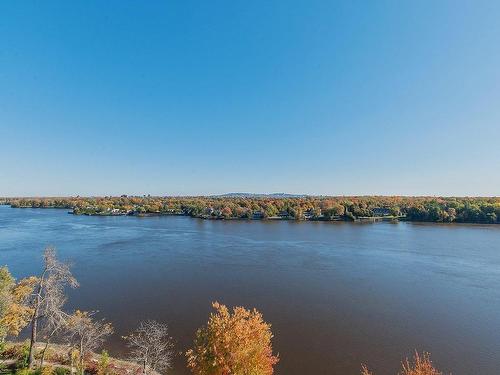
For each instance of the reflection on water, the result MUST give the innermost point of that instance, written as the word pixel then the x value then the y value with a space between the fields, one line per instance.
pixel 337 294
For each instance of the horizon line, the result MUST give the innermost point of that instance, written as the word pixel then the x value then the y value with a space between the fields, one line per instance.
pixel 246 195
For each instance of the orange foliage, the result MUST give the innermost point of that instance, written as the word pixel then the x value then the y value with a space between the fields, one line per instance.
pixel 365 371
pixel 422 365
pixel 236 343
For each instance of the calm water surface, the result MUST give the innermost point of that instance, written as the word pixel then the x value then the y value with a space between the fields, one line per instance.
pixel 337 294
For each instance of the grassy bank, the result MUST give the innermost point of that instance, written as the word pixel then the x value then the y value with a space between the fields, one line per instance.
pixel 60 360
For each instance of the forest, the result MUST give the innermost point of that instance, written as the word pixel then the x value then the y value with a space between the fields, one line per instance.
pixel 484 210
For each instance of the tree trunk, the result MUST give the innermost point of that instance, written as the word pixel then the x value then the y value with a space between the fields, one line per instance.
pixel 34 322
pixel 42 357
pixel 144 366
pixel 81 358
pixel 72 364
pixel 81 366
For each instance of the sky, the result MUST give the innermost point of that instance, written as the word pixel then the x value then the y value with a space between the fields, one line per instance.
pixel 207 97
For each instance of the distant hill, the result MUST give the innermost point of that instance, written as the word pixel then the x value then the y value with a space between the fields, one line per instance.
pixel 259 195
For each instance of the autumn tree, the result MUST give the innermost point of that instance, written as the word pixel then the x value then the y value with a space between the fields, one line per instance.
pixel 421 365
pixel 15 300
pixel 48 296
pixel 335 210
pixel 86 334
pixel 440 209
pixel 151 346
pixel 237 343
pixel 298 213
pixel 226 212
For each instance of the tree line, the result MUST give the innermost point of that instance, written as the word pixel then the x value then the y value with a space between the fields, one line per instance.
pixel 234 341
pixel 429 209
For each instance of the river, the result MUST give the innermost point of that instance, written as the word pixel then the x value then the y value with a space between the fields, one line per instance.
pixel 337 294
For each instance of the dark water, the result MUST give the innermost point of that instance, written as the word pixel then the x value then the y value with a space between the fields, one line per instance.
pixel 337 294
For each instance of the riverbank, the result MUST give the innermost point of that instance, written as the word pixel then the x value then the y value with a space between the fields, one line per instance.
pixel 483 210
pixel 58 360
pixel 211 217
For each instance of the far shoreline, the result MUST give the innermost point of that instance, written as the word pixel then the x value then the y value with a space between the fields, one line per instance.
pixel 361 220
pixel 473 210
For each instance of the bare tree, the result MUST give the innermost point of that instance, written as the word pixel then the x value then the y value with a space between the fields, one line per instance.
pixel 54 319
pixel 151 346
pixel 86 334
pixel 48 298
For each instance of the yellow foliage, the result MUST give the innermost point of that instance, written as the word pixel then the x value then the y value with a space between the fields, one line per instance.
pixel 47 370
pixel 103 367
pixel 79 316
pixel 24 288
pixel 74 356
pixel 16 318
pixel 18 312
pixel 7 282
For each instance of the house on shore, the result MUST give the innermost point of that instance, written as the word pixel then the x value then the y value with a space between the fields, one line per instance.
pixel 284 214
pixel 258 215
pixel 309 214
pixel 381 211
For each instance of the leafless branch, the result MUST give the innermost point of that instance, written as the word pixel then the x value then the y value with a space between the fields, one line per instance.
pixel 151 346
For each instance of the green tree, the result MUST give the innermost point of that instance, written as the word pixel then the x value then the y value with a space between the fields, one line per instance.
pixel 103 366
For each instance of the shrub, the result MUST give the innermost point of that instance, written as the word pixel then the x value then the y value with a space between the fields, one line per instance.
pixel 421 365
pixel 61 371
pixel 21 353
pixel 103 365
pixel 47 370
pixel 23 371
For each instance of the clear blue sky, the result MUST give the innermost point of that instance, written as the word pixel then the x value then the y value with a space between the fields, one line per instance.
pixel 202 97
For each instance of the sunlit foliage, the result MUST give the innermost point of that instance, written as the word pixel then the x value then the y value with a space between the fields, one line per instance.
pixel 420 365
pixel 237 343
pixel 432 209
pixel 17 311
pixel 7 283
